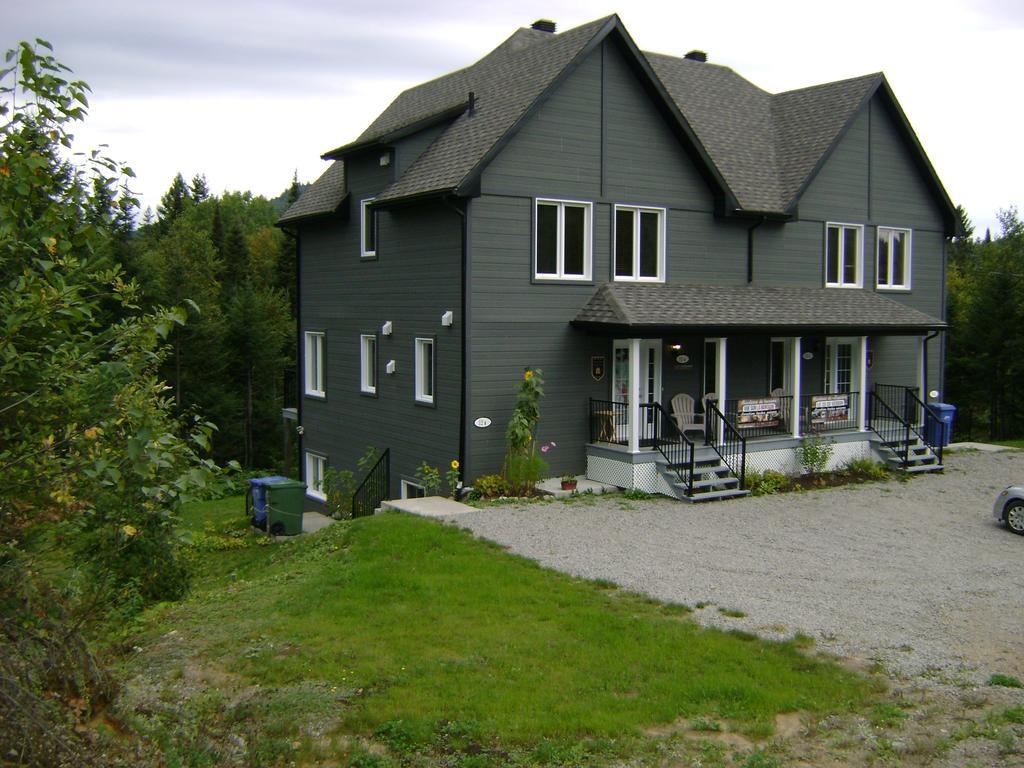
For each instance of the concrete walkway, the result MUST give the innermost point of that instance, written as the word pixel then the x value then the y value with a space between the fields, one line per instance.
pixel 314 521
pixel 428 506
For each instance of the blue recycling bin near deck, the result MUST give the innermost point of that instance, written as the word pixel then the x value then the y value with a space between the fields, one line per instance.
pixel 256 499
pixel 939 428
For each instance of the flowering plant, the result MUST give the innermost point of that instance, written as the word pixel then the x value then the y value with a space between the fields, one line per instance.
pixel 452 476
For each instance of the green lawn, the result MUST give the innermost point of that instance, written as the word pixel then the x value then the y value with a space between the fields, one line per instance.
pixel 410 635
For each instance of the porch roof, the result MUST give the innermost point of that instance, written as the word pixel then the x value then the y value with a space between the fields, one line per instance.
pixel 749 309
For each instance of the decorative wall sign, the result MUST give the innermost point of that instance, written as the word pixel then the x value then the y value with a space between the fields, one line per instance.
pixel 597 365
pixel 682 359
pixel 807 355
pixel 760 412
pixel 828 409
pixel 483 422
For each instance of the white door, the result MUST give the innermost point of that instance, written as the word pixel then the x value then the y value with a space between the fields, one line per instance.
pixel 650 381
pixel 838 365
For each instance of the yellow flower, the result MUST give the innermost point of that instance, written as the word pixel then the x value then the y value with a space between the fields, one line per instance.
pixel 4 170
pixel 455 463
pixel 528 375
pixel 129 530
pixel 92 433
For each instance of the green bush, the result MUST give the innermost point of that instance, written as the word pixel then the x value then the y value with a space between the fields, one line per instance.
pixel 767 483
pixel 867 469
pixel 524 471
pixel 491 486
pixel 814 453
pixel 430 478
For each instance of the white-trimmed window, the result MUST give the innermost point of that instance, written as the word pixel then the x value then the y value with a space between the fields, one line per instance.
pixel 844 255
pixel 639 243
pixel 314 361
pixel 562 246
pixel 368 363
pixel 893 265
pixel 838 365
pixel 316 467
pixel 424 370
pixel 367 229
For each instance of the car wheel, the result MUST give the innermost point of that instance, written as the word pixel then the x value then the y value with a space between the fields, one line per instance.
pixel 1014 516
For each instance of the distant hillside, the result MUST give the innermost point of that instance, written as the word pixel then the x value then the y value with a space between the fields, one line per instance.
pixel 280 202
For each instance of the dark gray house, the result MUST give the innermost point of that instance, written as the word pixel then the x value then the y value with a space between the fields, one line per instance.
pixel 639 226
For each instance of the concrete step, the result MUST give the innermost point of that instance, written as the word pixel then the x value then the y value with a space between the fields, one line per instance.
pixel 924 468
pixel 731 493
pixel 713 482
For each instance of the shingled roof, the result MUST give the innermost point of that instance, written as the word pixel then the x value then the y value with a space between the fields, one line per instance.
pixel 639 307
pixel 760 149
pixel 323 196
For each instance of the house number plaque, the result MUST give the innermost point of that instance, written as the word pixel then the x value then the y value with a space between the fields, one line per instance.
pixel 483 422
pixel 597 367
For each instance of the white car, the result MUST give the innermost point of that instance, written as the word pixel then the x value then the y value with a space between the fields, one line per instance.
pixel 1009 508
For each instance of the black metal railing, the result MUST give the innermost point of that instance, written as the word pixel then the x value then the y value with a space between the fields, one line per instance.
pixel 375 487
pixel 660 431
pixel 895 397
pixel 890 426
pixel 829 412
pixel 755 416
pixel 609 422
pixel 726 440
pixel 921 415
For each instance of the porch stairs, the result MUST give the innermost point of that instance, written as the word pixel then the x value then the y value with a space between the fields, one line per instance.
pixel 920 456
pixel 712 478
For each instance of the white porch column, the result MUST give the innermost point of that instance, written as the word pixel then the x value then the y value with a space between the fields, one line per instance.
pixel 794 388
pixel 862 382
pixel 722 395
pixel 634 395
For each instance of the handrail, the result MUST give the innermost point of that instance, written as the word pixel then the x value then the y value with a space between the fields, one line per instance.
pixel 671 442
pixel 890 435
pixel 731 447
pixel 914 400
pixel 374 488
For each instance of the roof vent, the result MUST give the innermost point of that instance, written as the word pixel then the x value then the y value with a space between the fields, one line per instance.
pixel 695 55
pixel 543 25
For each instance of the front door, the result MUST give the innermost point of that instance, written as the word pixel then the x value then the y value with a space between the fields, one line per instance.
pixel 650 381
pixel 838 365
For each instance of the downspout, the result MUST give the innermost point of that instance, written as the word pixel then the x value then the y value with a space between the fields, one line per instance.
pixel 464 330
pixel 750 248
pixel 924 373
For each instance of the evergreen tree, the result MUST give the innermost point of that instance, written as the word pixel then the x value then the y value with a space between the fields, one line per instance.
pixel 200 190
pixel 235 257
pixel 217 230
pixel 173 203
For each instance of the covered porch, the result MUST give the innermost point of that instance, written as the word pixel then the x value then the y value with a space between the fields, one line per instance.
pixel 688 389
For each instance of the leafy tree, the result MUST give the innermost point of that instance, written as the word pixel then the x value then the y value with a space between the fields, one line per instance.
pixel 87 437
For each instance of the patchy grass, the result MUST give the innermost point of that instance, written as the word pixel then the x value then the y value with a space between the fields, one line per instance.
pixel 732 613
pixel 1006 681
pixel 392 638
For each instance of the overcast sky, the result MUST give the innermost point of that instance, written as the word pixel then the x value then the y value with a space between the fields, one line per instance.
pixel 248 92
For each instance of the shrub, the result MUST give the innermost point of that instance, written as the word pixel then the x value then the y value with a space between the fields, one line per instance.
pixel 814 454
pixel 867 469
pixel 491 486
pixel 524 471
pixel 430 478
pixel 340 485
pixel 768 483
pixel 523 467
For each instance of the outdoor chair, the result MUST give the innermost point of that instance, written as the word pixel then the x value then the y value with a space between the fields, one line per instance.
pixel 685 417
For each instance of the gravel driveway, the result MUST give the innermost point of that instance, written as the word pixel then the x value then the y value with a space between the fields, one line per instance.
pixel 914 574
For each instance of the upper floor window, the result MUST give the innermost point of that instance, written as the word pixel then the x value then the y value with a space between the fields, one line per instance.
pixel 562 250
pixel 316 467
pixel 315 363
pixel 844 255
pixel 639 243
pixel 425 370
pixel 893 258
pixel 367 229
pixel 368 364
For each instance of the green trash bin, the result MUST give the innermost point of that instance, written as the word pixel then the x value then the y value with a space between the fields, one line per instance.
pixel 285 499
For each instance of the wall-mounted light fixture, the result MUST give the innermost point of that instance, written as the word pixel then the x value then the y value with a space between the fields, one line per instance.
pixel 447 318
pixel 387 329
pixel 390 367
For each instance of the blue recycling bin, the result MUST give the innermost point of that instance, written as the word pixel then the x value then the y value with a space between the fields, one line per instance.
pixel 939 428
pixel 256 499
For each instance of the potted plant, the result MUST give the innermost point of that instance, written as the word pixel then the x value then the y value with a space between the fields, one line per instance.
pixel 568 482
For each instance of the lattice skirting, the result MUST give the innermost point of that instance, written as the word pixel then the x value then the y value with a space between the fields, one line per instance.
pixel 642 477
pixel 785 459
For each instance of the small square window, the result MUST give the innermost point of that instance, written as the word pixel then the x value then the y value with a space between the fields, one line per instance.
pixel 367 229
pixel 314 364
pixel 843 255
pixel 893 265
pixel 411 490
pixel 639 244
pixel 562 250
pixel 368 364
pixel 316 468
pixel 425 370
